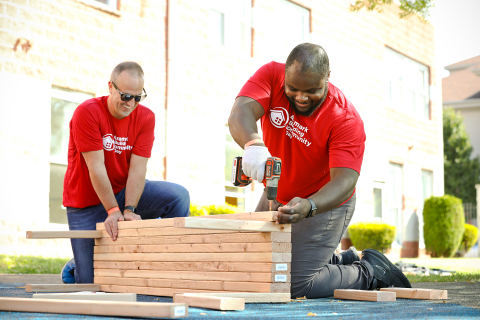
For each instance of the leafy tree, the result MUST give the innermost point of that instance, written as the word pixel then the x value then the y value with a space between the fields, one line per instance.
pixel 461 172
pixel 407 7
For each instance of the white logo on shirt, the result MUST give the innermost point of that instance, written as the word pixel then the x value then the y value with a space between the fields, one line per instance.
pixel 279 117
pixel 108 142
pixel 297 131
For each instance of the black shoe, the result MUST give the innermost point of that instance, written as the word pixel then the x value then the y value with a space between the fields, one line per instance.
pixel 385 273
pixel 350 256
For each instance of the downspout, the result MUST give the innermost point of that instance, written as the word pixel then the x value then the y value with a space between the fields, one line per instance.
pixel 169 39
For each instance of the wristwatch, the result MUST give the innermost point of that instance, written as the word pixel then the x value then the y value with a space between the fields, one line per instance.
pixel 313 210
pixel 131 208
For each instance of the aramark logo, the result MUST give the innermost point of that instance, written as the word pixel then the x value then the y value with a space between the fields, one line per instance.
pixel 108 142
pixel 279 117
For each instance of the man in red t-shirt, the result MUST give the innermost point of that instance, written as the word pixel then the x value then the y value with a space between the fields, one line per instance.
pixel 111 139
pixel 314 129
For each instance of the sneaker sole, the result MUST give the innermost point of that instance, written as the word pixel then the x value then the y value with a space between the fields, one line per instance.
pixel 384 260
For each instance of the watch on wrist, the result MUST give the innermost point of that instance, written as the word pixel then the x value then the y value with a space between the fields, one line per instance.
pixel 313 210
pixel 131 208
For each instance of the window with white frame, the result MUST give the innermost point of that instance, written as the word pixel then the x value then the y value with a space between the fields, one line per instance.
pixel 395 200
pixel 407 84
pixel 63 104
pixel 111 3
pixel 282 25
pixel 230 23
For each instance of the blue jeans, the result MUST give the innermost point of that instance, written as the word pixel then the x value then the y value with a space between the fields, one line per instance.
pixel 160 199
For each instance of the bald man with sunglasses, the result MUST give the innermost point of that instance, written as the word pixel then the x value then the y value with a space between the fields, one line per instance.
pixel 111 139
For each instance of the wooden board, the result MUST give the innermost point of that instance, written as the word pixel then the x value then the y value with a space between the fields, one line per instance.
pixel 253 216
pixel 169 292
pixel 195 266
pixel 101 308
pixel 166 231
pixel 236 237
pixel 249 297
pixel 61 287
pixel 137 224
pixel 282 247
pixel 363 295
pixel 197 257
pixel 423 294
pixel 193 275
pixel 236 225
pixel 64 234
pixel 215 303
pixel 99 296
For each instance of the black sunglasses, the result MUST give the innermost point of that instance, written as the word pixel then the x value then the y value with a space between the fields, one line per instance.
pixel 127 97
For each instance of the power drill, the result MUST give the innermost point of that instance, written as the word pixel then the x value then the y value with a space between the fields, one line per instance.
pixel 273 168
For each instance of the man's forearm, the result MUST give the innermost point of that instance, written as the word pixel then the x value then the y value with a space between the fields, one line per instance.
pixel 333 194
pixel 102 186
pixel 134 190
pixel 243 120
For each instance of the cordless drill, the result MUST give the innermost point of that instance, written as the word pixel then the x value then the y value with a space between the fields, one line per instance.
pixel 273 168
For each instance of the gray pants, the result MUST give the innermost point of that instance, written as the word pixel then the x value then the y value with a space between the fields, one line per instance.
pixel 316 269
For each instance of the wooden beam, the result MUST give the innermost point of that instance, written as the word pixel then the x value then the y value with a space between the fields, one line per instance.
pixel 101 308
pixel 215 303
pixel 150 291
pixel 165 231
pixel 253 216
pixel 226 224
pixel 423 294
pixel 281 247
pixel 363 295
pixel 99 296
pixel 61 287
pixel 193 275
pixel 249 297
pixel 197 257
pixel 236 237
pixel 195 266
pixel 64 234
pixel 137 224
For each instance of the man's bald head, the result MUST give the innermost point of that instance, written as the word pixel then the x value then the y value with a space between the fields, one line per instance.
pixel 133 68
pixel 312 57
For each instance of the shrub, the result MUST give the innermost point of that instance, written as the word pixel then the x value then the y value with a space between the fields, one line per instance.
pixel 196 210
pixel 444 225
pixel 372 235
pixel 469 239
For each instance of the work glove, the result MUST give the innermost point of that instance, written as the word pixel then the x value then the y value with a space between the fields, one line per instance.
pixel 253 162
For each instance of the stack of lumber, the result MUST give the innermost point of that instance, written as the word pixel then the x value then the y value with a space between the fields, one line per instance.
pixel 245 252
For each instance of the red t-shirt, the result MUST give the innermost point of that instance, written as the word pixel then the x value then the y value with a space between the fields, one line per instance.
pixel 333 136
pixel 93 128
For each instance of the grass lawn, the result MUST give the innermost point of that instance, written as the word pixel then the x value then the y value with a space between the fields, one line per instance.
pixel 31 264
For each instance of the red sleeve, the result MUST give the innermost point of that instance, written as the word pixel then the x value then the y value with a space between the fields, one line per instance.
pixel 144 141
pixel 86 130
pixel 259 86
pixel 347 144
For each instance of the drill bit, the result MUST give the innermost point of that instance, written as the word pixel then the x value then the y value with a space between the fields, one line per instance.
pixel 269 205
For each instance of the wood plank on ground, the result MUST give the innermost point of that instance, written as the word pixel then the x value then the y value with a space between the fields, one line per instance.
pixel 253 216
pixel 102 296
pixel 196 266
pixel 210 285
pixel 413 293
pixel 101 308
pixel 364 295
pixel 236 237
pixel 197 257
pixel 193 275
pixel 282 247
pixel 61 287
pixel 137 224
pixel 236 225
pixel 64 234
pixel 249 297
pixel 215 303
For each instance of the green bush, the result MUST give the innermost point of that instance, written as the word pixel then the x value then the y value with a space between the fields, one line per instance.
pixel 444 225
pixel 197 210
pixel 372 235
pixel 469 239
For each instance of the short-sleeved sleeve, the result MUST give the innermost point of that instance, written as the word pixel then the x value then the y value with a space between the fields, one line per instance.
pixel 347 144
pixel 144 142
pixel 259 87
pixel 86 130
